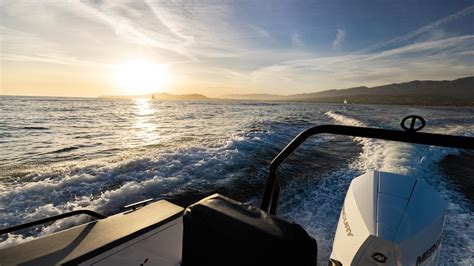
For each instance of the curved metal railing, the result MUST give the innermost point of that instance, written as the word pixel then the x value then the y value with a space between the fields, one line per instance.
pixel 410 135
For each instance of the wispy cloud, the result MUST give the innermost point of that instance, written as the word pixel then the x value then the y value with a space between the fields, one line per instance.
pixel 296 40
pixel 427 28
pixel 224 44
pixel 180 29
pixel 438 56
pixel 444 59
pixel 340 37
pixel 27 47
pixel 261 32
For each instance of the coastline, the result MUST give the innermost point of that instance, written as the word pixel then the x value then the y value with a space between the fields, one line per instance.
pixel 338 100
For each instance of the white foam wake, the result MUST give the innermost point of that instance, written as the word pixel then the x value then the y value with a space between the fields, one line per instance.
pixel 378 154
pixel 107 186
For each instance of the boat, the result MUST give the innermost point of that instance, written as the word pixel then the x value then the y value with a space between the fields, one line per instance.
pixel 345 101
pixel 386 219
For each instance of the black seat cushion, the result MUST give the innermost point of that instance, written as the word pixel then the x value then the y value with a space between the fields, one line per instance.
pixel 221 231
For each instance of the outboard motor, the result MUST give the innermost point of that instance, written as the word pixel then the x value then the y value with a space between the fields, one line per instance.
pixel 389 219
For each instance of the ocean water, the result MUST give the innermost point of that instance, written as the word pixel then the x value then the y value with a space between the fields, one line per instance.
pixel 61 154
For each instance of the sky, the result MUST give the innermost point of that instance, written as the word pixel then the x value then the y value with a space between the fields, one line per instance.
pixel 96 47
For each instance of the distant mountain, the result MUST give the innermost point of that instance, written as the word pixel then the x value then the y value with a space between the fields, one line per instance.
pixel 405 99
pixel 427 92
pixel 331 93
pixel 262 97
pixel 168 96
pixel 161 96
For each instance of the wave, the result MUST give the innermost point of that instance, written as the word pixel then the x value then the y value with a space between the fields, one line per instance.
pixel 35 128
pixel 106 187
pixel 236 167
pixel 66 149
pixel 379 154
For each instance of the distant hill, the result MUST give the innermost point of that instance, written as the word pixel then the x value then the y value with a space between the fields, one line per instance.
pixel 427 92
pixel 405 99
pixel 263 97
pixel 161 96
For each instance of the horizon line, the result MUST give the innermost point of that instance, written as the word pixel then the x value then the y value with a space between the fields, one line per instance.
pixel 217 97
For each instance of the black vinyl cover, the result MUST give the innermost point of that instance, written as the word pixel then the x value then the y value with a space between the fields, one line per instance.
pixel 221 231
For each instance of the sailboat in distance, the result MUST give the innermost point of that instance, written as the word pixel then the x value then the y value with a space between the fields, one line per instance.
pixel 345 101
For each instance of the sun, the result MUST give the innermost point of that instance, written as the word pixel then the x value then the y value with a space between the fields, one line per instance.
pixel 141 76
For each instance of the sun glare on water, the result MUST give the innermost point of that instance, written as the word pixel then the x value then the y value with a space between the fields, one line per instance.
pixel 141 77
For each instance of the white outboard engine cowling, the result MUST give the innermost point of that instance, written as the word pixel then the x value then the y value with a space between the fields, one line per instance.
pixel 389 219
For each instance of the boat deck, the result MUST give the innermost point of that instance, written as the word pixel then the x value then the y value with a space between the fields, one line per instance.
pixel 87 241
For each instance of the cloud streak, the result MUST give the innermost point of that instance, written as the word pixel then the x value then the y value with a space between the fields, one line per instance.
pixel 427 28
pixel 340 37
pixel 443 59
pixel 225 44
pixel 296 40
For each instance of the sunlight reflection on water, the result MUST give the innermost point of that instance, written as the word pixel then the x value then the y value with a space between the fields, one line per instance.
pixel 144 123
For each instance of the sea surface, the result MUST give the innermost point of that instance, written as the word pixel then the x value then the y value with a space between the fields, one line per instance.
pixel 62 154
